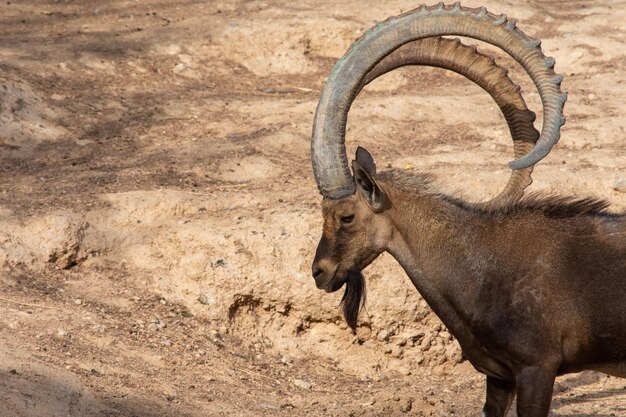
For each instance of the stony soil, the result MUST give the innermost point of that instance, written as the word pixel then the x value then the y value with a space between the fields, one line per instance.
pixel 158 214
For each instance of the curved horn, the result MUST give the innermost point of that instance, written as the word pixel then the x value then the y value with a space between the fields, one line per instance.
pixel 465 60
pixel 328 153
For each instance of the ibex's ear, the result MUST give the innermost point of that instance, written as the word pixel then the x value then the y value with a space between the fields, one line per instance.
pixel 364 170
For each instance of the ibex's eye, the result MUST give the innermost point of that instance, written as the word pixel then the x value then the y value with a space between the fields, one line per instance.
pixel 347 219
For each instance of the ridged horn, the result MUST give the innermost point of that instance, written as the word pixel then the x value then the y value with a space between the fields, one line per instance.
pixel 330 165
pixel 452 54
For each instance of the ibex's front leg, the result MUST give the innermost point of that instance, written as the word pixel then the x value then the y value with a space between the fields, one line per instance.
pixel 534 392
pixel 500 395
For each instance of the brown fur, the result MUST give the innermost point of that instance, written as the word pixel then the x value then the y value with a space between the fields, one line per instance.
pixel 531 289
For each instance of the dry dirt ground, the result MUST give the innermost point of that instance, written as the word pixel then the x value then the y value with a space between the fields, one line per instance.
pixel 158 214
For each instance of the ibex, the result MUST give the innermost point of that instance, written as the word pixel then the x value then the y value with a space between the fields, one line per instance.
pixel 531 287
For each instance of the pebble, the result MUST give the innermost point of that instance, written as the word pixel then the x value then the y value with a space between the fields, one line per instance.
pixel 171 396
pixel 156 324
pixel 204 299
pixel 180 67
pixel 406 406
pixel 384 335
pixel 302 384
pixel 404 370
pixel 397 351
pixel 620 185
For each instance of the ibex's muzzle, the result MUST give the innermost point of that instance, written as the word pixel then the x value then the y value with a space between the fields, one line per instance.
pixel 325 271
pixel 327 276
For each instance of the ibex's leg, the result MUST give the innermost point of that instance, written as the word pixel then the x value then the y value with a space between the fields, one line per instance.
pixel 534 392
pixel 499 397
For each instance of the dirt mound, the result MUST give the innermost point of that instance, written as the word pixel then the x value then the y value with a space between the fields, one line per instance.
pixel 26 118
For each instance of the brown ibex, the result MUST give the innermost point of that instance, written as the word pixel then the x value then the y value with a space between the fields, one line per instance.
pixel 531 288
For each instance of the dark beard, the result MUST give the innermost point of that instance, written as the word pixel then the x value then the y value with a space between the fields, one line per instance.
pixel 353 298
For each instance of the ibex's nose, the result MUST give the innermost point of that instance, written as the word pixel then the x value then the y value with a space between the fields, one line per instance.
pixel 317 272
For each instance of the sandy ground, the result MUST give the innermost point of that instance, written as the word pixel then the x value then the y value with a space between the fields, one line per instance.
pixel 158 214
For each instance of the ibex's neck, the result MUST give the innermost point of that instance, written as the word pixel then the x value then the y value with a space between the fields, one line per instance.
pixel 440 246
pixel 435 237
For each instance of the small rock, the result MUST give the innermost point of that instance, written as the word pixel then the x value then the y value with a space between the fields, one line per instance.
pixel 156 325
pixel 171 396
pixel 384 335
pixel 406 406
pixel 620 185
pixel 397 352
pixel 302 384
pixel 204 299
pixel 180 67
pixel 404 370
